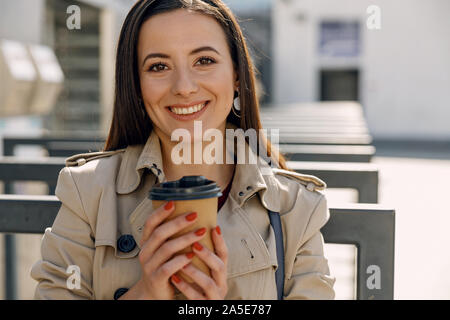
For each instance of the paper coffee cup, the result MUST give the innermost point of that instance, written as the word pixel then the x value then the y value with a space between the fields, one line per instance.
pixel 191 193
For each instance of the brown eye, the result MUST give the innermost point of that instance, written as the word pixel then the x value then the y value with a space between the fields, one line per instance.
pixel 206 61
pixel 157 67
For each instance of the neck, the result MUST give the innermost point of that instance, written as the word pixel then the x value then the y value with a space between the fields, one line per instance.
pixel 218 171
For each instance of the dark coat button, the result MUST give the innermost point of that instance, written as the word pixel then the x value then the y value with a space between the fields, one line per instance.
pixel 119 292
pixel 241 193
pixel 126 243
pixel 249 188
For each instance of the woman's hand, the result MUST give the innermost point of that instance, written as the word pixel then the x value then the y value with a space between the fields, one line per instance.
pixel 205 287
pixel 157 258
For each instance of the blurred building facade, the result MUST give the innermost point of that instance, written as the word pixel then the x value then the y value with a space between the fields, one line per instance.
pixel 255 19
pixel 303 50
pixel 323 50
pixel 86 55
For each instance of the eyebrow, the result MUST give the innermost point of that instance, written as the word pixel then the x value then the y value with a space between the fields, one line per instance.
pixel 165 56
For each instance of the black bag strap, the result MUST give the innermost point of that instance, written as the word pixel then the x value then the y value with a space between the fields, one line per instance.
pixel 275 222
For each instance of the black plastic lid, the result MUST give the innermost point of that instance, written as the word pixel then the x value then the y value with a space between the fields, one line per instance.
pixel 187 188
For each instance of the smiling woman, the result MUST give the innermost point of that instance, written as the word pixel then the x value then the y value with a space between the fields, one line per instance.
pixel 195 70
pixel 216 48
pixel 180 63
pixel 183 69
pixel 189 61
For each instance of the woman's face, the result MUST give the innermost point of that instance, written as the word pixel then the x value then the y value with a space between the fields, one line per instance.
pixel 186 71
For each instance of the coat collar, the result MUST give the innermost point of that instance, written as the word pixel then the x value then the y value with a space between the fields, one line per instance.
pixel 135 160
pixel 249 178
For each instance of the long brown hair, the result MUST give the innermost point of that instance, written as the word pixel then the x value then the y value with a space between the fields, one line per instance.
pixel 130 124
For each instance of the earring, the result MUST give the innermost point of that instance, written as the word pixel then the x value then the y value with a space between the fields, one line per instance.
pixel 237 101
pixel 236 104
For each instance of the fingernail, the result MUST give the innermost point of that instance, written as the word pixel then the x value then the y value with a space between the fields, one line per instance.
pixel 198 246
pixel 200 232
pixel 169 205
pixel 185 267
pixel 191 216
pixel 218 230
pixel 190 255
pixel 175 279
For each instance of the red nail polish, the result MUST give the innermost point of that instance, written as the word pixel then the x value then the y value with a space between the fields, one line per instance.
pixel 198 246
pixel 190 255
pixel 200 232
pixel 176 279
pixel 191 216
pixel 218 230
pixel 169 205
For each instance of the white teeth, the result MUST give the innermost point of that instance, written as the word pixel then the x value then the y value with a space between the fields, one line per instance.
pixel 189 110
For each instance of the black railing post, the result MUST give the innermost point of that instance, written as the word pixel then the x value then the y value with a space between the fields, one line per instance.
pixel 10 258
pixel 10 241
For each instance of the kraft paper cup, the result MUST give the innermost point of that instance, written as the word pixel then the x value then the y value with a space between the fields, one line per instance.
pixel 191 193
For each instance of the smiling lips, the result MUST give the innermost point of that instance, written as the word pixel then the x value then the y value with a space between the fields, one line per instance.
pixel 186 110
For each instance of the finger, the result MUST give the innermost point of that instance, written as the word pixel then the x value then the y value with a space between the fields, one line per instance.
pixel 186 289
pixel 215 264
pixel 159 279
pixel 221 250
pixel 220 247
pixel 169 248
pixel 155 219
pixel 165 271
pixel 206 283
pixel 165 231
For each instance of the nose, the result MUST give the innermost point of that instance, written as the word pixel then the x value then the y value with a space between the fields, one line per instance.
pixel 184 83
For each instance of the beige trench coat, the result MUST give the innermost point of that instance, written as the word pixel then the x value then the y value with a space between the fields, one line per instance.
pixel 104 197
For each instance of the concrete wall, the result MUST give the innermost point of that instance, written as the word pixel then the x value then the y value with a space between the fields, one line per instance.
pixel 248 6
pixel 404 66
pixel 22 20
pixel 30 21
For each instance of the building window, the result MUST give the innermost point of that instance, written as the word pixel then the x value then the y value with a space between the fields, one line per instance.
pixel 339 39
pixel 338 85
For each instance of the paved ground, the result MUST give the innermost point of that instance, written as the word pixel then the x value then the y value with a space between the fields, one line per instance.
pixel 419 190
pixel 416 184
